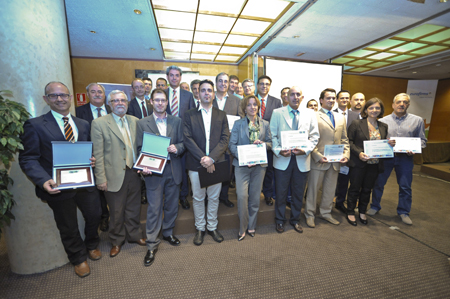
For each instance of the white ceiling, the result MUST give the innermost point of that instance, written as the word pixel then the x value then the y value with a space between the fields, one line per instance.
pixel 325 29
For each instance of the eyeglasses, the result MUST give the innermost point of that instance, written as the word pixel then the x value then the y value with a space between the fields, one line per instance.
pixel 159 100
pixel 117 101
pixel 54 96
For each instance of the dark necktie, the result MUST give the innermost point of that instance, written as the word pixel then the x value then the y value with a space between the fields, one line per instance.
pixel 99 112
pixel 68 132
pixel 144 110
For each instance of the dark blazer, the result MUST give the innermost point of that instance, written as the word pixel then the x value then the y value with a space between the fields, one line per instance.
pixel 174 130
pixel 272 104
pixel 240 136
pixel 85 112
pixel 357 133
pixel 185 102
pixel 352 115
pixel 195 138
pixel 36 158
pixel 135 110
pixel 232 106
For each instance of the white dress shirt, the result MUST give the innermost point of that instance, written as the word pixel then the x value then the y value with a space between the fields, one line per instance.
pixel 94 110
pixel 206 116
pixel 58 117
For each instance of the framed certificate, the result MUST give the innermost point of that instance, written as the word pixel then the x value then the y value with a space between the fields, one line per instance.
pixel 378 149
pixel 153 153
pixel 71 165
pixel 252 154
pixel 406 144
pixel 334 152
pixel 294 139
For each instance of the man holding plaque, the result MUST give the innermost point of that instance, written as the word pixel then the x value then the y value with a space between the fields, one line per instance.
pixel 400 124
pixel 324 168
pixel 36 161
pixel 291 165
pixel 206 137
pixel 162 189
pixel 115 150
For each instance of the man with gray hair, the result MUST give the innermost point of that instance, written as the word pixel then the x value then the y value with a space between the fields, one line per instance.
pixel 114 138
pixel 400 124
pixel 249 87
pixel 180 101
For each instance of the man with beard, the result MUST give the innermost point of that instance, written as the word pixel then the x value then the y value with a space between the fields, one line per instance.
pixel 357 102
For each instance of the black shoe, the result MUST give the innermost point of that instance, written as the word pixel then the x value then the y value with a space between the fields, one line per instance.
pixel 144 199
pixel 298 228
pixel 104 224
pixel 269 200
pixel 251 234
pixel 232 185
pixel 198 239
pixel 184 204
pixel 363 221
pixel 341 208
pixel 150 257
pixel 240 238
pixel 215 235
pixel 227 202
pixel 279 227
pixel 172 240
pixel 351 222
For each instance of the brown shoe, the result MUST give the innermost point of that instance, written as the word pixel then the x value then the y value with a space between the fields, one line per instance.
pixel 82 270
pixel 114 251
pixel 95 254
pixel 139 242
pixel 298 228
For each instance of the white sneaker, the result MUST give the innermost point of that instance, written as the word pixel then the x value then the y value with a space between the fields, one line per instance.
pixel 371 212
pixel 406 219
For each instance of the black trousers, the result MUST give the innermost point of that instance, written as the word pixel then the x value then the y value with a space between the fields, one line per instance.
pixel 342 188
pixel 104 205
pixel 65 214
pixel 268 177
pixel 362 181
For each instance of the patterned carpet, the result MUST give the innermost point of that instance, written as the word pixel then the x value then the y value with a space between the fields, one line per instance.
pixel 373 261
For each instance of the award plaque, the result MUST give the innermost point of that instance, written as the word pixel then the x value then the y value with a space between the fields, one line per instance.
pixel 71 165
pixel 153 153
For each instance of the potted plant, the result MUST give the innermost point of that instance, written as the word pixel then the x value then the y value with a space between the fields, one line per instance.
pixel 12 117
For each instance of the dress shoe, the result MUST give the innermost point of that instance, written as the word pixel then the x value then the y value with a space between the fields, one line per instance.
pixel 351 221
pixel 104 224
pixel 298 228
pixel 371 212
pixel 184 204
pixel 227 202
pixel 215 235
pixel 114 251
pixel 144 199
pixel 279 227
pixel 310 222
pixel 139 242
pixel 406 220
pixel 330 219
pixel 82 270
pixel 198 239
pixel 95 254
pixel 251 234
pixel 172 240
pixel 269 201
pixel 240 238
pixel 150 257
pixel 363 221
pixel 341 208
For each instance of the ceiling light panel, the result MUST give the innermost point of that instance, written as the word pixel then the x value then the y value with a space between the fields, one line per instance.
pixel 203 56
pixel 443 35
pixel 175 19
pixel 419 31
pixel 214 23
pixel 227 58
pixel 233 50
pixel 176 5
pixel 209 37
pixel 177 47
pixel 176 35
pixel 234 39
pixel 408 47
pixel 229 7
pixel 243 26
pixel 176 55
pixel 268 9
pixel 205 48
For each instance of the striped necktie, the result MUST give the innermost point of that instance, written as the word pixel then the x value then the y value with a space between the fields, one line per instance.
pixel 174 106
pixel 263 108
pixel 68 132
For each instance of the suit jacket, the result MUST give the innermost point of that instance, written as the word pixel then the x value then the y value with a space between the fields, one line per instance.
pixel 272 104
pixel 281 121
pixel 185 102
pixel 240 136
pixel 174 130
pixel 135 109
pixel 329 134
pixel 232 106
pixel 36 158
pixel 351 116
pixel 85 112
pixel 110 151
pixel 195 138
pixel 357 133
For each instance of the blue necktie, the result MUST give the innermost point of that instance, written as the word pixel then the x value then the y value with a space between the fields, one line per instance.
pixel 330 115
pixel 295 121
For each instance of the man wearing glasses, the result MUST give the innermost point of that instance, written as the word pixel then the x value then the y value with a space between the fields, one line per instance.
pixel 249 87
pixel 36 161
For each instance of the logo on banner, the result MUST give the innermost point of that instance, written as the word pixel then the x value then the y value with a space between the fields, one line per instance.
pixel 421 95
pixel 81 99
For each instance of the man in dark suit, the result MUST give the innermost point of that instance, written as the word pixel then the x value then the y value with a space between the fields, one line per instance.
pixel 96 108
pixel 148 83
pixel 268 104
pixel 180 101
pixel 140 108
pixel 206 137
pixel 343 98
pixel 229 104
pixel 162 189
pixel 36 160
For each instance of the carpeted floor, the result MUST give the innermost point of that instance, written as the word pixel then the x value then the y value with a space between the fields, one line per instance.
pixel 373 261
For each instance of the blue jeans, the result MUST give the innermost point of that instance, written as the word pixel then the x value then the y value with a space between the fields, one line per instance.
pixel 403 165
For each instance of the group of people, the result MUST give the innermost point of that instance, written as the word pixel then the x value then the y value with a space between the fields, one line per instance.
pixel 196 123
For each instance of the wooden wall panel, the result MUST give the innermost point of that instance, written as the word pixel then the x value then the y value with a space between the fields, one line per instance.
pixel 440 124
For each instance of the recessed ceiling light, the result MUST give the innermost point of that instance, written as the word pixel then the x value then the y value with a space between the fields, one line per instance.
pixel 414 72
pixel 443 1
pixel 296 36
pixel 300 54
pixel 137 11
pixel 152 49
pixel 92 31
